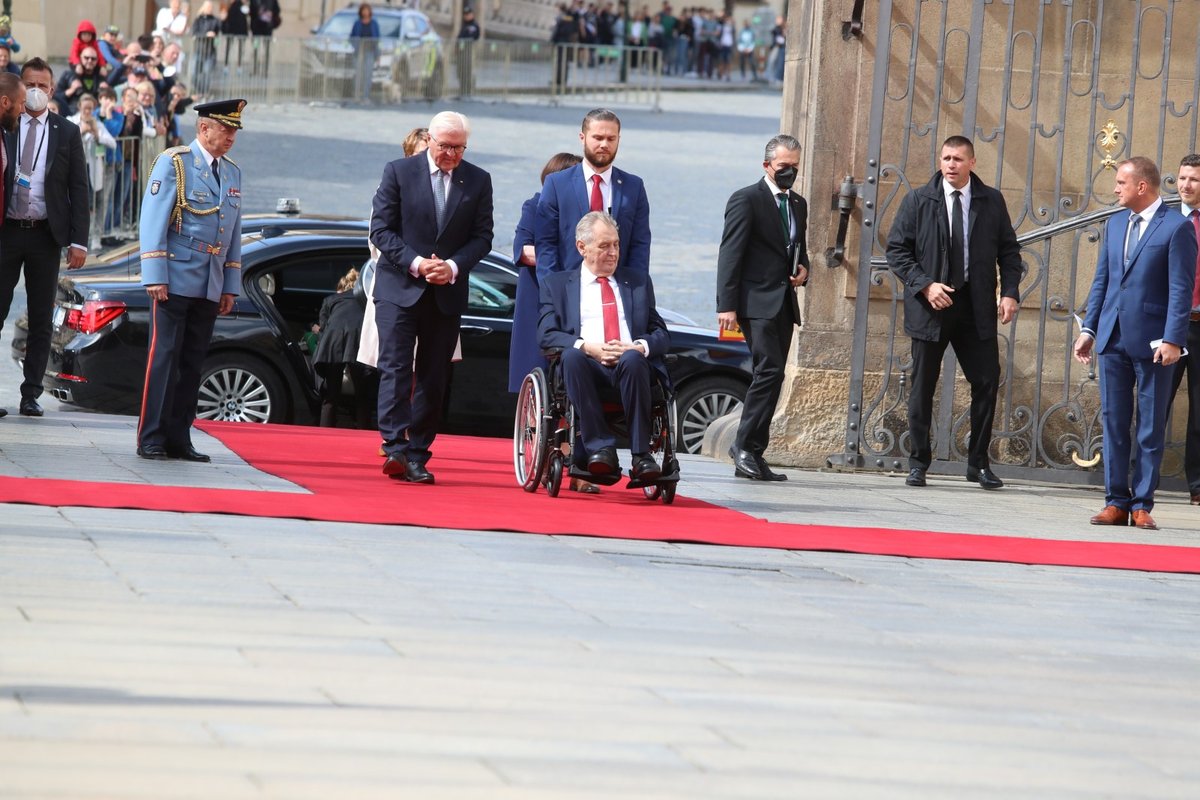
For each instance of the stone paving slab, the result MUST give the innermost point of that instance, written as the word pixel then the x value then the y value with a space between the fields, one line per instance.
pixel 503 665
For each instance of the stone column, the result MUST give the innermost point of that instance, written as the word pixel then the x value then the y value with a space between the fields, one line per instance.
pixel 825 82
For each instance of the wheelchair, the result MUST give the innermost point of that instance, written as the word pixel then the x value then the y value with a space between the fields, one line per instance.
pixel 545 435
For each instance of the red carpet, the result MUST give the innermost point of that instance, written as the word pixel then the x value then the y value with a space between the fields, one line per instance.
pixel 476 491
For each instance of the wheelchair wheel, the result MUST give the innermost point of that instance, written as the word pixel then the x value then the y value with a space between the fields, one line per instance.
pixel 668 493
pixel 530 439
pixel 652 492
pixel 555 476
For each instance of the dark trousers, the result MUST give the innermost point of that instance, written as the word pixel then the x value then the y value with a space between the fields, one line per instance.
pixel 180 332
pixel 331 392
pixel 769 341
pixel 980 363
pixel 1122 379
pixel 584 376
pixel 409 414
pixel 1190 364
pixel 35 251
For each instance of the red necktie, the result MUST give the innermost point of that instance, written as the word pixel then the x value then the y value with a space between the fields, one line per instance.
pixel 597 198
pixel 1196 286
pixel 608 304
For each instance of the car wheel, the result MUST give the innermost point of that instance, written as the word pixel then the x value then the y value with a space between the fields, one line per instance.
pixel 240 388
pixel 700 403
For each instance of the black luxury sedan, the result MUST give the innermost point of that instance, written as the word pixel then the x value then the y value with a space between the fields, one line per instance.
pixel 258 369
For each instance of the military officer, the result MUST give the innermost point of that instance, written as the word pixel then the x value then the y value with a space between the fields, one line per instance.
pixel 191 234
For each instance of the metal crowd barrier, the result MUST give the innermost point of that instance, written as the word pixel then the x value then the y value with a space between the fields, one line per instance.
pixel 385 71
pixel 117 204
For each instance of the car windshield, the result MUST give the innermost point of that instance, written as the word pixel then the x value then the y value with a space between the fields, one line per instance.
pixel 339 25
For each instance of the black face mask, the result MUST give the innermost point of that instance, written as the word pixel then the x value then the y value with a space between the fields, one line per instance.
pixel 785 177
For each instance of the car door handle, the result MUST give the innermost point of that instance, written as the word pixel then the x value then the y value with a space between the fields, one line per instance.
pixel 475 330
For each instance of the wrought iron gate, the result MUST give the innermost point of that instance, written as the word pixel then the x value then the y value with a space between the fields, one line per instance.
pixel 1054 94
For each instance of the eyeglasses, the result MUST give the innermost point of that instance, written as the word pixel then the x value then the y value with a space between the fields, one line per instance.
pixel 457 149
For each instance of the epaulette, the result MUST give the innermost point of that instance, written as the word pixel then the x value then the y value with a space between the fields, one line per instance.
pixel 177 150
pixel 230 160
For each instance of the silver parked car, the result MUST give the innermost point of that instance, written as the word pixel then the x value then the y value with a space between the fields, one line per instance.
pixel 409 55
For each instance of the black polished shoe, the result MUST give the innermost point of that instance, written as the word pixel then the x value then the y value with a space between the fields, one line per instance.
pixel 415 472
pixel 916 477
pixel 30 407
pixel 645 468
pixel 604 462
pixel 984 477
pixel 394 467
pixel 767 474
pixel 3 412
pixel 153 452
pixel 188 453
pixel 745 465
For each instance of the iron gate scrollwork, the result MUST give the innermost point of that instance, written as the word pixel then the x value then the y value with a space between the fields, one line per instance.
pixel 1054 94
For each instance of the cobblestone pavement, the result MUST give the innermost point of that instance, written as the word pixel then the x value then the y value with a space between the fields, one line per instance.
pixel 693 155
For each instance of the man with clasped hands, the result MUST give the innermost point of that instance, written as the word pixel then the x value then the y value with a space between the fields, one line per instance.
pixel 432 222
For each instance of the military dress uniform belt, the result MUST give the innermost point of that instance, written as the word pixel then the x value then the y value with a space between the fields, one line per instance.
pixel 192 243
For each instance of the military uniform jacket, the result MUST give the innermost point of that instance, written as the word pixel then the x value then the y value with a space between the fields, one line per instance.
pixel 193 246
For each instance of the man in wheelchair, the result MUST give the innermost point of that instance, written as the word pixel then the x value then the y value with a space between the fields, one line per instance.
pixel 608 339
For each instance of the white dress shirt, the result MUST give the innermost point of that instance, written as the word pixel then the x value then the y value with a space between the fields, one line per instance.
pixel 37 174
pixel 775 190
pixel 414 267
pixel 591 312
pixel 605 185
pixel 949 190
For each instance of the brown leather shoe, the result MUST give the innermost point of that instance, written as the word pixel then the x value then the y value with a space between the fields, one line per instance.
pixel 1112 515
pixel 1143 520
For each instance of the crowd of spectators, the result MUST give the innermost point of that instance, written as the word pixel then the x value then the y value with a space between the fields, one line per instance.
pixel 698 42
pixel 128 96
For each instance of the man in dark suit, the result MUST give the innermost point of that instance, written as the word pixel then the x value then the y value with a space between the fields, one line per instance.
pixel 607 338
pixel 1188 183
pixel 46 210
pixel 948 238
pixel 432 222
pixel 12 105
pixel 594 185
pixel 1137 320
pixel 763 257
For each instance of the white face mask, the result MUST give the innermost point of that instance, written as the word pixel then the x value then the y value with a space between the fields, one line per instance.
pixel 35 99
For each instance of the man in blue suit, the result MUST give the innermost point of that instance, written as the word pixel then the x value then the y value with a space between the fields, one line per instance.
pixel 594 185
pixel 607 338
pixel 432 221
pixel 191 232
pixel 1137 320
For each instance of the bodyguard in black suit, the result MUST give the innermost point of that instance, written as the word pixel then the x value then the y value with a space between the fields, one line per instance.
pixel 432 222
pixel 46 209
pixel 763 257
pixel 947 240
pixel 607 338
